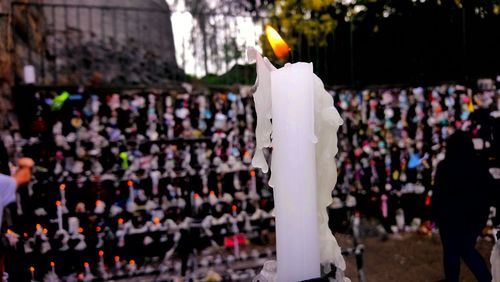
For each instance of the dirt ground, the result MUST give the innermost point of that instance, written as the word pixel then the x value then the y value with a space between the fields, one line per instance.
pixel 412 257
pixel 403 258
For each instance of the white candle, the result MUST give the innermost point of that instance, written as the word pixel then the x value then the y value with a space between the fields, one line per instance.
pixel 294 173
pixel 253 183
pixel 300 109
pixel 235 233
pixel 87 268
pixel 131 194
pixel 73 225
pixel 59 215
pixel 53 266
pixel 101 259
pixel 118 264
pixel 32 270
pixel 62 191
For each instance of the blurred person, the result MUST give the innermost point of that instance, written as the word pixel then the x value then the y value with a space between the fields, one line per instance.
pixel 8 188
pixel 461 206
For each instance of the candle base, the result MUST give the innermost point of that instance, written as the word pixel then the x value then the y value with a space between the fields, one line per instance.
pixel 269 273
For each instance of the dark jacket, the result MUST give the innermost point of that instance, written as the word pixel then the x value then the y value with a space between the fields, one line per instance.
pixel 462 188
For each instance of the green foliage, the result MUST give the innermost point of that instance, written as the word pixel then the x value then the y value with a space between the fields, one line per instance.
pixel 310 18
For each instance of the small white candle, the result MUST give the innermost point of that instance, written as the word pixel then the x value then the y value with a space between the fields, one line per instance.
pixel 62 191
pixel 131 194
pixel 32 270
pixel 59 215
pixel 87 268
pixel 253 183
pixel 73 225
pixel 29 74
pixel 101 259
pixel 118 264
pixel 53 266
pixel 235 233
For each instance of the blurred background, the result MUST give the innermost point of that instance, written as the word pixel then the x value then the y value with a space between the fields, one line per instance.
pixel 143 111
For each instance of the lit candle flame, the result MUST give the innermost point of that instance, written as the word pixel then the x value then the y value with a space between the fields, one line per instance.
pixel 86 264
pixel 156 220
pixel 101 253
pixel 80 230
pixel 117 258
pixel 252 173
pixel 32 269
pixel 132 262
pixel 62 186
pixel 52 264
pixel 58 203
pixel 120 221
pixel 98 229
pixel 45 231
pixel 130 183
pixel 280 48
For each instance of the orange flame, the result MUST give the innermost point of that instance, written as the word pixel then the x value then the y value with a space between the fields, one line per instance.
pixel 117 258
pixel 52 264
pixel 252 173
pixel 132 262
pixel 280 48
pixel 58 203
pixel 98 229
pixel 86 264
pixel 120 221
pixel 101 253
pixel 130 183
pixel 32 269
pixel 156 220
pixel 62 186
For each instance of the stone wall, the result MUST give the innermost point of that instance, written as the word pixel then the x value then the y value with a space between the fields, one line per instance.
pixel 7 117
pixel 89 42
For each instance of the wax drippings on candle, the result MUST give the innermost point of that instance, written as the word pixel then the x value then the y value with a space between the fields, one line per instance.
pixel 327 123
pixel 262 100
